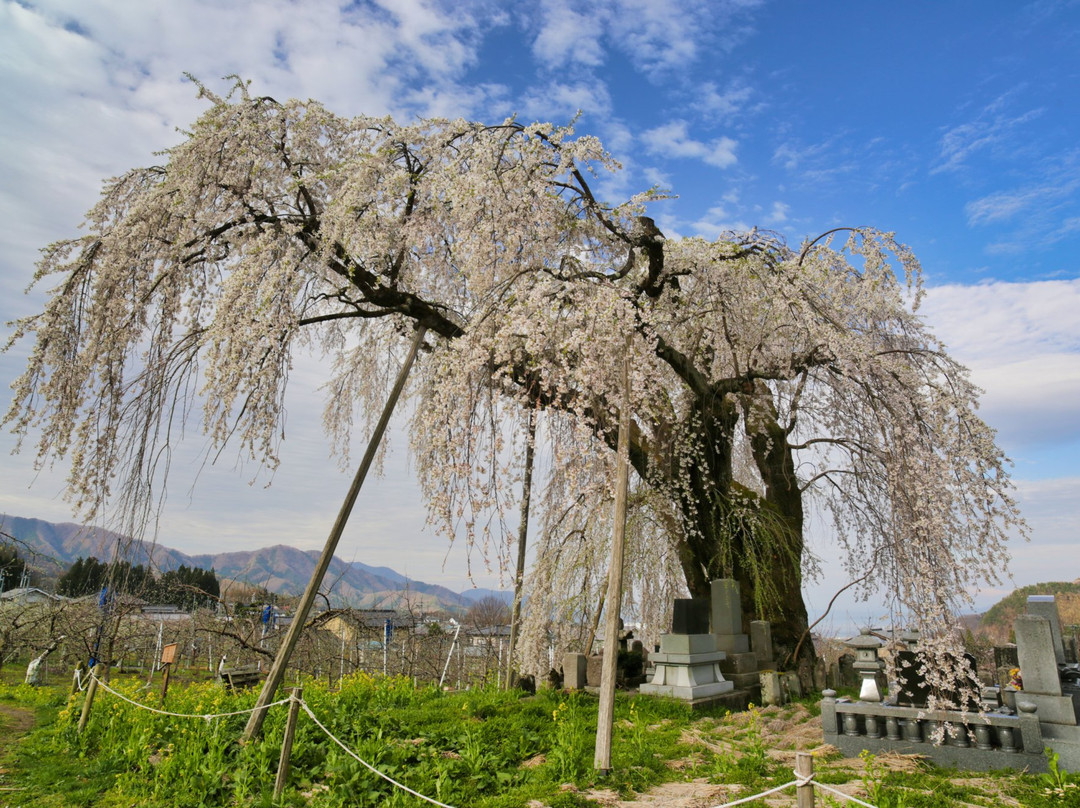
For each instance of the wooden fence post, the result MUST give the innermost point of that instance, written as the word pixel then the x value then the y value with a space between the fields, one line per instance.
pixel 91 690
pixel 804 769
pixel 286 742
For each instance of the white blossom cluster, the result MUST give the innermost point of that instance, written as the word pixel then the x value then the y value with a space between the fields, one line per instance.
pixel 761 376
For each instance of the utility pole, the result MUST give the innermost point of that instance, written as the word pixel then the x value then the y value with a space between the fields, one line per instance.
pixel 296 627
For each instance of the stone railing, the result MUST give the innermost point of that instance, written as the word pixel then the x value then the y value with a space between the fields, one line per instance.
pixel 969 740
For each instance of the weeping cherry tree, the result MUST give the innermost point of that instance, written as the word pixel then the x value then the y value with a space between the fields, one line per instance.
pixel 765 378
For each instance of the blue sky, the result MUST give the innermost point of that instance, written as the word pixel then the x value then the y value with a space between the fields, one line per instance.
pixel 953 123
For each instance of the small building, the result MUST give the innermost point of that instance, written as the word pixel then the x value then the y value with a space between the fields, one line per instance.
pixel 25 595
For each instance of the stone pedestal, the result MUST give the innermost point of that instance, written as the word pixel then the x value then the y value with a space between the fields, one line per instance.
pixel 687 668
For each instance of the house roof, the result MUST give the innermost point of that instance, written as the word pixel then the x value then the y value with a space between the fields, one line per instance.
pixel 25 592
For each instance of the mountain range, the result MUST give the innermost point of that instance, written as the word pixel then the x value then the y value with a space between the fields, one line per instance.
pixel 281 569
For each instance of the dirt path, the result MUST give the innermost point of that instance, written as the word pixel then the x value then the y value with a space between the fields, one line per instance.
pixel 14 723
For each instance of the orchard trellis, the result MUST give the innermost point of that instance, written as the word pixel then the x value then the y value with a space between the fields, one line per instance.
pixel 761 375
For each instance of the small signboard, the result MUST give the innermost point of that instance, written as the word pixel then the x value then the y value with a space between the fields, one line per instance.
pixel 168 654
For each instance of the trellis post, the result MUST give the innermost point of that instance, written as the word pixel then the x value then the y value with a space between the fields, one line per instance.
pixel 286 742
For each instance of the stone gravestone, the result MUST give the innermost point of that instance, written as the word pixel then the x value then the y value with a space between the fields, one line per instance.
pixel 761 643
pixel 687 666
pixel 741 665
pixel 848 675
pixel 1005 659
pixel 575 668
pixel 594 667
pixel 914 691
pixel 1046 606
pixel 690 616
pixel 1039 669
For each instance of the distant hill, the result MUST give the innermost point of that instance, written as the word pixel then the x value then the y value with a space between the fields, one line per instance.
pixel 997 622
pixel 281 569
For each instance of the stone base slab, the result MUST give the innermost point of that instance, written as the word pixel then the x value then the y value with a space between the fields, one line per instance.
pixel 687 644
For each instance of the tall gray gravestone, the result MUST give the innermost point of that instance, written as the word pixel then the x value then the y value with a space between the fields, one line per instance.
pixel 1038 666
pixel 1046 606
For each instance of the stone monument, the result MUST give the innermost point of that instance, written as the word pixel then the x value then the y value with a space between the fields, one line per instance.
pixel 687 665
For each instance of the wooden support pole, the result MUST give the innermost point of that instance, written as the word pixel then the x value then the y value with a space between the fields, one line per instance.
pixel 286 742
pixel 296 627
pixel 613 599
pixel 91 691
pixel 523 535
pixel 804 770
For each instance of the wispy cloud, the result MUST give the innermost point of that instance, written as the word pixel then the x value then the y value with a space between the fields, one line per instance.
pixel 727 104
pixel 1035 215
pixel 673 140
pixel 560 101
pixel 990 129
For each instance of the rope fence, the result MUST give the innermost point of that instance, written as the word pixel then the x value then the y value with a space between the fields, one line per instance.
pixel 205 717
pixel 803 773
pixel 800 781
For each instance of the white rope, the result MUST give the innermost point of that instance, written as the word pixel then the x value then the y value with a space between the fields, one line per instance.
pixel 207 717
pixel 847 797
pixel 800 780
pixel 756 796
pixel 363 762
pixel 78 680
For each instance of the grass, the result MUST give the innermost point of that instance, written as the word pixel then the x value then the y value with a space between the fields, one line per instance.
pixel 482 748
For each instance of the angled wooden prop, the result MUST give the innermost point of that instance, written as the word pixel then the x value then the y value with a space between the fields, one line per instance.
pixel 296 627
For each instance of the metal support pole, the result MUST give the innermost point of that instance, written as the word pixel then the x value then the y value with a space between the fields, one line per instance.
pixel 296 627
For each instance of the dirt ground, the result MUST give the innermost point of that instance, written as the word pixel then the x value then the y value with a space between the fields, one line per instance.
pixel 785 731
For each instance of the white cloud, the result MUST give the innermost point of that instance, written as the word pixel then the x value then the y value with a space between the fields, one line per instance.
pixel 673 140
pixel 778 214
pixel 716 222
pixel 568 36
pixel 1022 344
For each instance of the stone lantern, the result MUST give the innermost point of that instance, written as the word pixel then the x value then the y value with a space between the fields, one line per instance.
pixel 868 665
pixel 911 638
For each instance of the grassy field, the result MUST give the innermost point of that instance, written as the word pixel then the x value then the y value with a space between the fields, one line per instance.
pixel 475 748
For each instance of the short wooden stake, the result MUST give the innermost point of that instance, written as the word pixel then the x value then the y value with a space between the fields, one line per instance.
pixel 804 770
pixel 91 691
pixel 286 742
pixel 165 681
